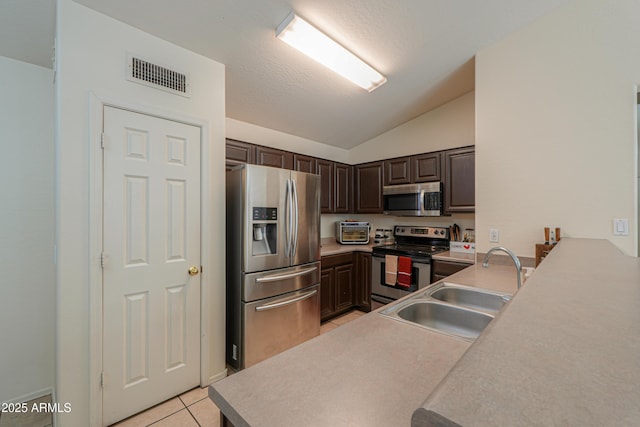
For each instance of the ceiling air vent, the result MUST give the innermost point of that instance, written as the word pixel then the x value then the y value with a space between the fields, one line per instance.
pixel 146 73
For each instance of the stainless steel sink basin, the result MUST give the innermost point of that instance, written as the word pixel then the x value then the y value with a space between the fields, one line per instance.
pixel 449 308
pixel 469 297
pixel 445 318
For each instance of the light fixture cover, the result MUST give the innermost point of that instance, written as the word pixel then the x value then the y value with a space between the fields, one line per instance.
pixel 301 35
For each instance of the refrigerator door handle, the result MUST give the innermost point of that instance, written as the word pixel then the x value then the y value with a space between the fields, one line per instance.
pixel 287 219
pixel 294 235
pixel 278 277
pixel 286 301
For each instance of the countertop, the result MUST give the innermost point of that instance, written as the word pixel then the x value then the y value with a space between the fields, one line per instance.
pixel 373 371
pixel 329 246
pixel 564 351
pixel 460 257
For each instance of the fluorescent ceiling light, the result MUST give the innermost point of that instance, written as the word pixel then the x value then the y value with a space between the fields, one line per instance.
pixel 309 40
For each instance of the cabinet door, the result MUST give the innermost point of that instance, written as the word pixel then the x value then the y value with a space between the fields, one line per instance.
pixel 397 171
pixel 368 184
pixel 441 269
pixel 460 181
pixel 266 156
pixel 363 280
pixel 304 163
pixel 238 152
pixel 426 167
pixel 344 287
pixel 324 168
pixel 343 186
pixel 327 297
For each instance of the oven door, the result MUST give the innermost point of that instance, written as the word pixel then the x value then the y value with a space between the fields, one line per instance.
pixel 421 277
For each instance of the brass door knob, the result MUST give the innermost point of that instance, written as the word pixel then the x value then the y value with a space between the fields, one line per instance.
pixel 193 270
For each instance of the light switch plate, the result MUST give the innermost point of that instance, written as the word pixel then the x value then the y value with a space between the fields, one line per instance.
pixel 621 227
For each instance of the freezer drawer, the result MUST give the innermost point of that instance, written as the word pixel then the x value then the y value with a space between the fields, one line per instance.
pixel 265 284
pixel 275 324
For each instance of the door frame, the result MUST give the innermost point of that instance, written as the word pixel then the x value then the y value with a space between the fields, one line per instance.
pixel 96 122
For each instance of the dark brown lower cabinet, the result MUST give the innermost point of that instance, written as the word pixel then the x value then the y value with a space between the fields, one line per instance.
pixel 336 285
pixel 362 261
pixel 345 283
pixel 441 269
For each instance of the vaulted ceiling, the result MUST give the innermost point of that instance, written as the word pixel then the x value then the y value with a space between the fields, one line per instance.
pixel 425 48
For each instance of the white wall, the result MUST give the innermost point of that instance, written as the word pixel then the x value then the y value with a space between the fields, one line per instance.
pixel 91 53
pixel 27 312
pixel 328 222
pixel 449 126
pixel 243 131
pixel 555 118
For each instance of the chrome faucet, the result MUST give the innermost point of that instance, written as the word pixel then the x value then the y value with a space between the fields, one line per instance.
pixel 485 262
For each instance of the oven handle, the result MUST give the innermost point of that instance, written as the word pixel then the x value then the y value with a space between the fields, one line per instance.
pixel 287 302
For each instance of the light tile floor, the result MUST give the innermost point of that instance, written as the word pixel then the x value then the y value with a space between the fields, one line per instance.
pixel 194 408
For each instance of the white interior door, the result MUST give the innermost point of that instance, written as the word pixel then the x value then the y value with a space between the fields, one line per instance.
pixel 151 235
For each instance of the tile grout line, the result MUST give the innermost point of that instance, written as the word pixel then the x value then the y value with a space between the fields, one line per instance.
pixel 173 413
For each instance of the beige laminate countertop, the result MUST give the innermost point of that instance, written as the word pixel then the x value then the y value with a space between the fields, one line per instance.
pixel 329 246
pixel 455 257
pixel 565 351
pixel 373 371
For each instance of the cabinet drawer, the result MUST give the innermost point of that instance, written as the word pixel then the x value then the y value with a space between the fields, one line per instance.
pixel 335 260
pixel 447 268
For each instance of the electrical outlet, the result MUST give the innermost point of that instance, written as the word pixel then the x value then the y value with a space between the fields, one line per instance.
pixel 494 235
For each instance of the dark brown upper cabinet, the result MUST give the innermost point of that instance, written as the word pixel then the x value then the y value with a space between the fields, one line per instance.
pixel 426 167
pixel 368 187
pixel 304 163
pixel 266 156
pixel 397 171
pixel 460 181
pixel 238 152
pixel 343 188
pixel 324 168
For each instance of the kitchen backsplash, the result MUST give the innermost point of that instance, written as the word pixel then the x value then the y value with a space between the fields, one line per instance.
pixel 328 222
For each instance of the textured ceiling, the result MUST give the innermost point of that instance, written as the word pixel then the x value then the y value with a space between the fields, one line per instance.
pixel 424 47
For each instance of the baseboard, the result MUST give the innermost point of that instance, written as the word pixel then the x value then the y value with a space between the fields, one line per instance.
pixel 31 396
pixel 217 377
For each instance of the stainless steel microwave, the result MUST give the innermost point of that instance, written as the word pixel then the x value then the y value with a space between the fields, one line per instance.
pixel 424 199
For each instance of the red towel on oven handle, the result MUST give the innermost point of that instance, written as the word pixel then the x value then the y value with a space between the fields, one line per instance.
pixel 404 271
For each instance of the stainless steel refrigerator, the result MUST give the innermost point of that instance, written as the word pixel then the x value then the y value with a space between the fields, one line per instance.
pixel 273 261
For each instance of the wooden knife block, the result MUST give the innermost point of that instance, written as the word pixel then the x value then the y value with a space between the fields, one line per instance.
pixel 542 251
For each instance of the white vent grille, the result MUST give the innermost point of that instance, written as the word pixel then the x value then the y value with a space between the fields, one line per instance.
pixel 153 75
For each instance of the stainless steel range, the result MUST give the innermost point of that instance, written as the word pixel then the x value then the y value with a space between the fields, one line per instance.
pixel 417 243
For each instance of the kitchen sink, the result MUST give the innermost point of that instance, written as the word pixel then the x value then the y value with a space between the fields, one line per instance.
pixel 469 297
pixel 452 309
pixel 446 318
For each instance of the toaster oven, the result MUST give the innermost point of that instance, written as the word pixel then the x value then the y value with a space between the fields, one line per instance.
pixel 352 232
